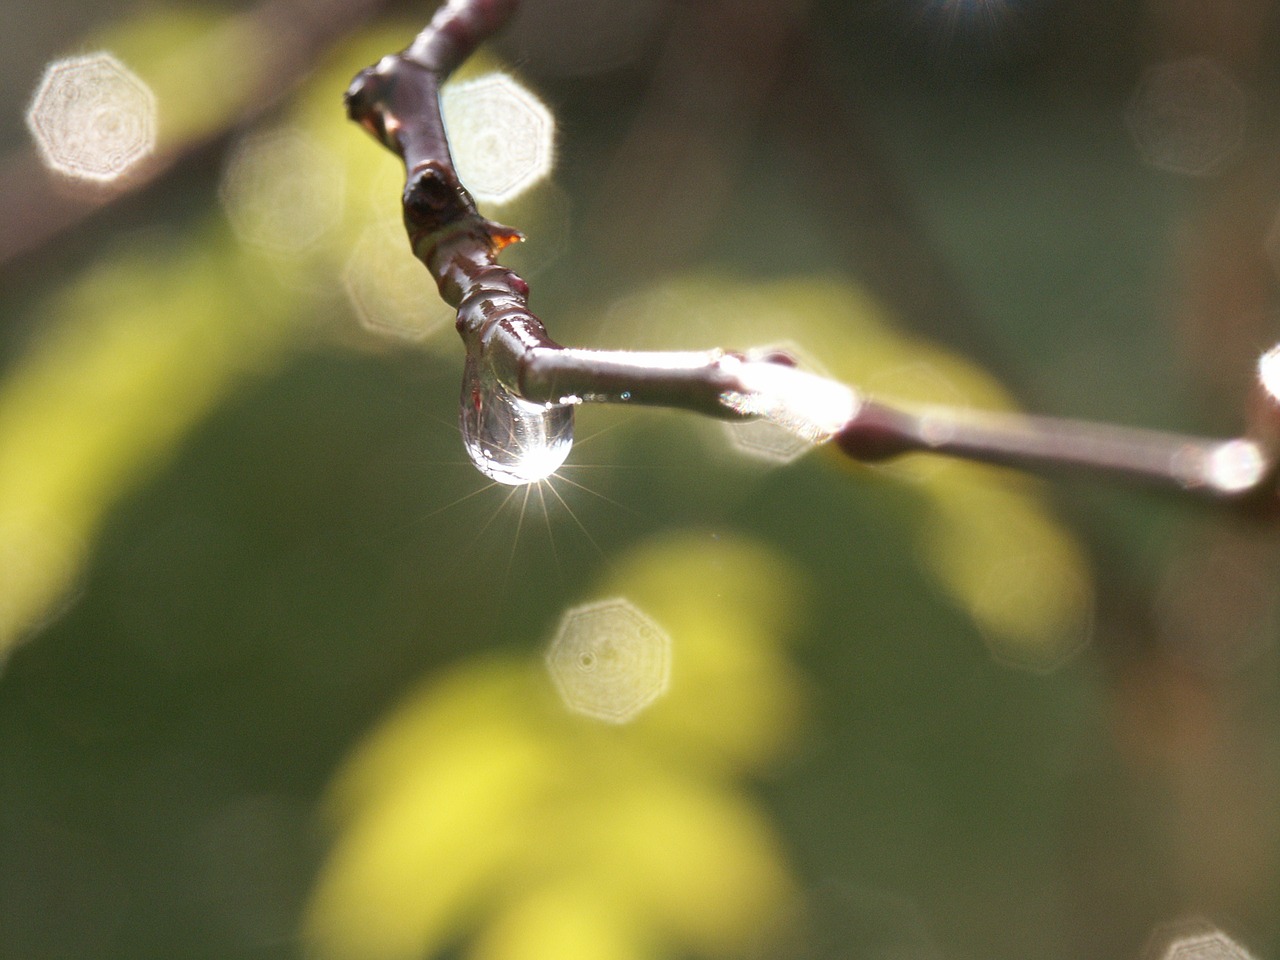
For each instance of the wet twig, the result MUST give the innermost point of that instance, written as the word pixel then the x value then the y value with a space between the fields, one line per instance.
pixel 520 386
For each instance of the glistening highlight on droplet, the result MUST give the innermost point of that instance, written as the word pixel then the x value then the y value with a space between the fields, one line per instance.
pixel 509 439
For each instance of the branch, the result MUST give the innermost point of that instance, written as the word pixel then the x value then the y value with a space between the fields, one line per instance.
pixel 520 386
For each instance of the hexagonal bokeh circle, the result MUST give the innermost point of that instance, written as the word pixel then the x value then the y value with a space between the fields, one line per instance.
pixel 1187 116
pixel 390 292
pixel 764 441
pixel 609 661
pixel 92 118
pixel 1214 945
pixel 502 137
pixel 282 191
pixel 1193 938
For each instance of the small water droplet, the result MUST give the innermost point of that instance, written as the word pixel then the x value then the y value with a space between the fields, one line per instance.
pixel 511 440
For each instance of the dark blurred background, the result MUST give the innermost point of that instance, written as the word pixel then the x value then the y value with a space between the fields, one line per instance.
pixel 1028 717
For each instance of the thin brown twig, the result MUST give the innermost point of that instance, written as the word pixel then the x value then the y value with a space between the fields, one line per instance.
pixel 522 369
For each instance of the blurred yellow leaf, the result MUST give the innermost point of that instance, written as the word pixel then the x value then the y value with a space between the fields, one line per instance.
pixel 568 922
pixel 136 351
pixel 733 702
pixel 692 859
pixel 152 337
pixel 435 827
pixel 483 806
pixel 1020 576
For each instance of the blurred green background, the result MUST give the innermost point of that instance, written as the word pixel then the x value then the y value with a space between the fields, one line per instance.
pixel 273 678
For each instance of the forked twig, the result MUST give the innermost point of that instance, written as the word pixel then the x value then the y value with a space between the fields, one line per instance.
pixel 520 386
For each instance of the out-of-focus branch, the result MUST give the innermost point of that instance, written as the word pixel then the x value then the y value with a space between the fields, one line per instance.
pixel 520 386
pixel 879 235
pixel 714 85
pixel 37 207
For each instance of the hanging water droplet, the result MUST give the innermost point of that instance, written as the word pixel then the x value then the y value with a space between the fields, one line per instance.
pixel 511 440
